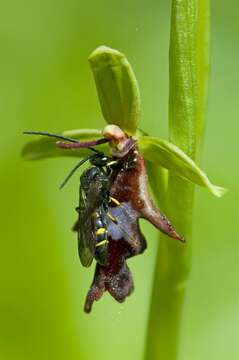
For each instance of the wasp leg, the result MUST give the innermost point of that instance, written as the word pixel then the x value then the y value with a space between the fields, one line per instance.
pixel 112 218
pixel 115 201
pixel 113 162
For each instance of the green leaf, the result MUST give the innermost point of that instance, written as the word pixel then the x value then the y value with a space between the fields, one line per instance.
pixel 45 147
pixel 117 88
pixel 174 159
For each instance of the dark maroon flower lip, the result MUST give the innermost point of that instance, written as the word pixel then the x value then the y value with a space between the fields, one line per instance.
pixel 129 189
pixel 115 278
pixel 130 184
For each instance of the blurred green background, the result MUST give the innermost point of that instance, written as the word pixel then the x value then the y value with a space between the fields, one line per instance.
pixel 46 84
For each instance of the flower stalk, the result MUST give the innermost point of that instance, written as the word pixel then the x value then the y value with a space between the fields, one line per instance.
pixel 189 54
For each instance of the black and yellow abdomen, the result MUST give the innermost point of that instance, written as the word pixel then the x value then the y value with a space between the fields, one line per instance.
pixel 101 238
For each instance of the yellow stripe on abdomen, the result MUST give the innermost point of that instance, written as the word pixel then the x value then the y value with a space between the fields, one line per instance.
pixel 100 231
pixel 103 242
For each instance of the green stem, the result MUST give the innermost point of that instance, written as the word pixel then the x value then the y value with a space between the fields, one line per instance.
pixel 187 99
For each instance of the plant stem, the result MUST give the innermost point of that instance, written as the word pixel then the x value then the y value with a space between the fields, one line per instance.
pixel 189 54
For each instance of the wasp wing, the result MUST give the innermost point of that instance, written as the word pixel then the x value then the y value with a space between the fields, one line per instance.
pixel 86 236
pixel 126 227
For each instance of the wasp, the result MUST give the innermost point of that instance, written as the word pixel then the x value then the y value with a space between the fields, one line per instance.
pixel 113 196
pixel 98 219
pixel 94 216
pixel 93 210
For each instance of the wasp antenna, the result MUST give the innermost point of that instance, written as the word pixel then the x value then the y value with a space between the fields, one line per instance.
pixel 56 136
pixel 75 168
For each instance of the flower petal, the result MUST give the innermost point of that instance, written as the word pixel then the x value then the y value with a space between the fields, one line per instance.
pixel 174 159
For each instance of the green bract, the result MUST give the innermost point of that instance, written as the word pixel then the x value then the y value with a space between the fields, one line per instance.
pixel 117 88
